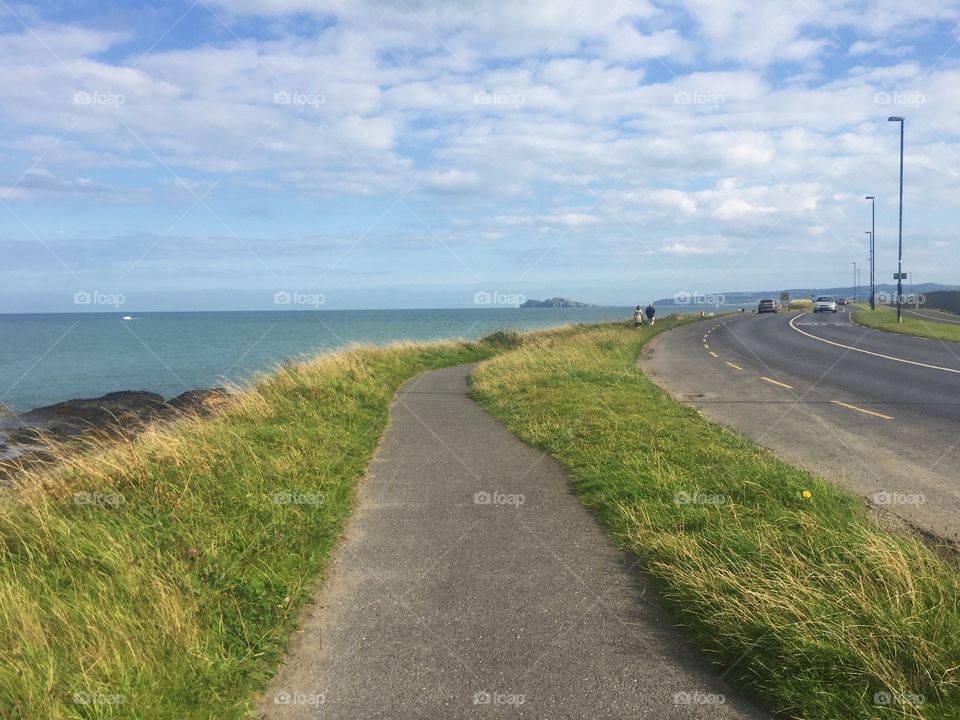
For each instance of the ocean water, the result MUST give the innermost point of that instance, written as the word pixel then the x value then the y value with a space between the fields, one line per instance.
pixel 48 358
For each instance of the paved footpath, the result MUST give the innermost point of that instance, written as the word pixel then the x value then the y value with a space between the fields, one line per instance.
pixel 473 584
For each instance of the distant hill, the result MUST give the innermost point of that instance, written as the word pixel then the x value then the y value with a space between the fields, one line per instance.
pixel 555 302
pixel 744 297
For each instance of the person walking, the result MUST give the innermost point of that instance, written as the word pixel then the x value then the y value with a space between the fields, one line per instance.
pixel 638 317
pixel 651 311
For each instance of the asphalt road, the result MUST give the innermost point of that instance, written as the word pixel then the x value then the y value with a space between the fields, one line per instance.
pixel 875 411
pixel 472 583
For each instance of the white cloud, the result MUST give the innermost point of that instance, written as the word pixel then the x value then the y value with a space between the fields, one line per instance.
pixel 375 133
pixel 571 219
pixel 718 246
pixel 534 119
pixel 452 180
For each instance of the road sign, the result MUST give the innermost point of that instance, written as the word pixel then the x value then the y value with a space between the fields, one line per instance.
pixel 784 298
pixel 899 276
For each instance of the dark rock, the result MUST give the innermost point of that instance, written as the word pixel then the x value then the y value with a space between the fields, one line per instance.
pixel 199 401
pixel 114 411
pixel 27 439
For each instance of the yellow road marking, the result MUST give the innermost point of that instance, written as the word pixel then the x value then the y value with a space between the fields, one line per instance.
pixel 714 354
pixel 860 409
pixel 776 382
pixel 733 365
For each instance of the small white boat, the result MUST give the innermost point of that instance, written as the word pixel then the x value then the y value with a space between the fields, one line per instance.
pixel 129 317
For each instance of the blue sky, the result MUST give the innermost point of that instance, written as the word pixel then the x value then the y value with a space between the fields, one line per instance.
pixel 412 154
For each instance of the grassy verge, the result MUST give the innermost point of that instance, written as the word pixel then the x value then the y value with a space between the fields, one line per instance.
pixel 886 319
pixel 797 596
pixel 161 578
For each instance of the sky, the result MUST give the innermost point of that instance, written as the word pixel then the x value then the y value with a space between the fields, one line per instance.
pixel 286 154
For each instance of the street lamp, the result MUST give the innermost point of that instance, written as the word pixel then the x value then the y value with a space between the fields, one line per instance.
pixel 873 234
pixel 858 285
pixel 895 118
pixel 854 282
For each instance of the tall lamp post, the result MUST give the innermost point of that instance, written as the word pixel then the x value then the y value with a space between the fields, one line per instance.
pixel 858 285
pixel 854 282
pixel 873 234
pixel 899 119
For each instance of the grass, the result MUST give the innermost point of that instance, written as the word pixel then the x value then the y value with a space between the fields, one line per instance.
pixel 884 318
pixel 161 577
pixel 802 601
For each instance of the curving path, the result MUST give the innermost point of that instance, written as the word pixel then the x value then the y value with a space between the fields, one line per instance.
pixel 442 605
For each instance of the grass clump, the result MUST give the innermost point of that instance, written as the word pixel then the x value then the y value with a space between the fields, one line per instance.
pixel 781 578
pixel 503 339
pixel 160 577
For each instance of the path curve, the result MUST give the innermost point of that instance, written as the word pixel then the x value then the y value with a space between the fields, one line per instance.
pixel 440 606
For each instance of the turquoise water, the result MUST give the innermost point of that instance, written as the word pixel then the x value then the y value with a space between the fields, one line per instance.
pixel 49 358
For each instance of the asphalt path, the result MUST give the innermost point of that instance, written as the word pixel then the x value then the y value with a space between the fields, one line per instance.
pixel 878 412
pixel 472 583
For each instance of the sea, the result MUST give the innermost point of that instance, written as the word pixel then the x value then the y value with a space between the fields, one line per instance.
pixel 48 358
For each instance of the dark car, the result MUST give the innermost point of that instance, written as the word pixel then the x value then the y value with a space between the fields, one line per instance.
pixel 766 306
pixel 841 301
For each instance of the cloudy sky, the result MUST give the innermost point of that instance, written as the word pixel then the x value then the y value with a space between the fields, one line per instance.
pixel 413 153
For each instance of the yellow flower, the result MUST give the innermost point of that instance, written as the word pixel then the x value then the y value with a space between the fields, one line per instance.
pixel 807 494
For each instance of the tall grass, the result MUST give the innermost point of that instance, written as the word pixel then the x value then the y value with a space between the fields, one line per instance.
pixel 796 596
pixel 160 577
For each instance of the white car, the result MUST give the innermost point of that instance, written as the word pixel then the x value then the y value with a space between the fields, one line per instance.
pixel 825 303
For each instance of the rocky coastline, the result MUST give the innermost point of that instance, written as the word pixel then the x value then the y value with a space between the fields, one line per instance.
pixel 26 438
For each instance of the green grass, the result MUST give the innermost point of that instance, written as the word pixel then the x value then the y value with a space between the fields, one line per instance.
pixel 884 318
pixel 804 603
pixel 170 589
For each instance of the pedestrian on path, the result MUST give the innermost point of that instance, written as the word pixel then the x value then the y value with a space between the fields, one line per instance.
pixel 638 317
pixel 651 311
